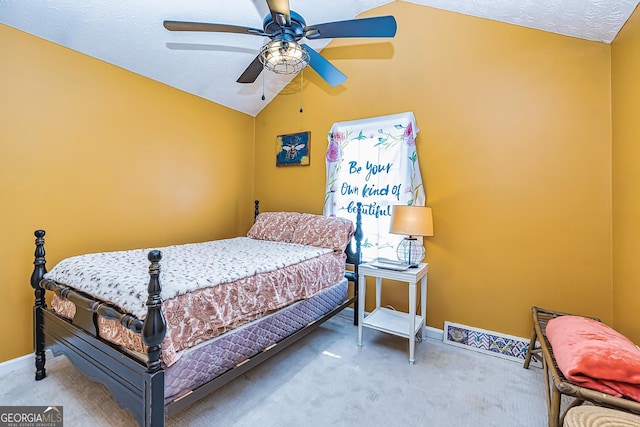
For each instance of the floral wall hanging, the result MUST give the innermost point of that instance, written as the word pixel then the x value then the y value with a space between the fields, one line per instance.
pixel 373 161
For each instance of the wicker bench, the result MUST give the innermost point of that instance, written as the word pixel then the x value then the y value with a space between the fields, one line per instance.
pixel 556 384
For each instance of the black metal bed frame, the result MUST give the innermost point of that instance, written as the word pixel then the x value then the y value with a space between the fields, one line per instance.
pixel 137 385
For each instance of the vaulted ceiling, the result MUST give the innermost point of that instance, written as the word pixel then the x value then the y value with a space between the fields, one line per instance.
pixel 130 34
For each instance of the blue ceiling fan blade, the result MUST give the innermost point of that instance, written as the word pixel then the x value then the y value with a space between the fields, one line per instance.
pixel 379 26
pixel 324 68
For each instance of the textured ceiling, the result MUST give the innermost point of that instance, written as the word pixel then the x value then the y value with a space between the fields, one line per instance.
pixel 129 34
pixel 597 20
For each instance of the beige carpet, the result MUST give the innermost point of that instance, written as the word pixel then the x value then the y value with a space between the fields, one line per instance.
pixel 325 380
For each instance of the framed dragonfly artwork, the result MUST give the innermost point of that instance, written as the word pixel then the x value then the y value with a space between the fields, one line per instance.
pixel 293 149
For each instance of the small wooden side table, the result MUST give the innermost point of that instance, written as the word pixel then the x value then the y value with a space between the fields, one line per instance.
pixel 394 322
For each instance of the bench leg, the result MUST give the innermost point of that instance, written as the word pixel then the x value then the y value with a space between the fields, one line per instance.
pixel 554 410
pixel 532 351
pixel 552 396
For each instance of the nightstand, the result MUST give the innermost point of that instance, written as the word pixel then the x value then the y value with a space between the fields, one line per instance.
pixel 394 322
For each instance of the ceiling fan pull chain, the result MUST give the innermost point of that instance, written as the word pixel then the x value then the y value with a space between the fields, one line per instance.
pixel 263 97
pixel 301 81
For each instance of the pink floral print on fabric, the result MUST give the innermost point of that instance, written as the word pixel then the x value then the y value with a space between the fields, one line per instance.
pixel 274 226
pixel 325 232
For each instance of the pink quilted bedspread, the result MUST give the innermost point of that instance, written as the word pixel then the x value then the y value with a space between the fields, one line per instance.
pixel 197 316
pixel 593 355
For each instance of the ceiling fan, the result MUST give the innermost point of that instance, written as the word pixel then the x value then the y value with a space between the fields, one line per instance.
pixel 283 54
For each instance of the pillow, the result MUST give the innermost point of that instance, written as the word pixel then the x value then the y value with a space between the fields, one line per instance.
pixel 274 226
pixel 323 231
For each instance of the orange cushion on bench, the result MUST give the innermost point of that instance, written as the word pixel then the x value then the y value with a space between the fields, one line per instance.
pixel 593 355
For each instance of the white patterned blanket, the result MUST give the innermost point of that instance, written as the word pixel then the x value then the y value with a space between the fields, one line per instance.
pixel 122 277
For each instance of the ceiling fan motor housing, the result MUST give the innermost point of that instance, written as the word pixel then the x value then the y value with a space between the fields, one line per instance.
pixel 292 32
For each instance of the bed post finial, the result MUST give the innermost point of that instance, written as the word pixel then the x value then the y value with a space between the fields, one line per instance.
pixel 39 270
pixel 154 326
pixel 256 209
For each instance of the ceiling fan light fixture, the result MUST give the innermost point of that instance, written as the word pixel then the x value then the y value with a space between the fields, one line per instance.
pixel 284 57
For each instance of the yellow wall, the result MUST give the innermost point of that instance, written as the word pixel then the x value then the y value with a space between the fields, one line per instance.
pixel 515 151
pixel 625 61
pixel 104 159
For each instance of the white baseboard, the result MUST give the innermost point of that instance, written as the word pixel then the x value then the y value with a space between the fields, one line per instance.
pixel 435 333
pixel 21 363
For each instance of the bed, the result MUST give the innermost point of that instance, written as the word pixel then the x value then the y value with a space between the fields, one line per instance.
pixel 209 313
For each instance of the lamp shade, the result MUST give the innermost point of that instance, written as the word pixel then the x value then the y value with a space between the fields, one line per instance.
pixel 411 220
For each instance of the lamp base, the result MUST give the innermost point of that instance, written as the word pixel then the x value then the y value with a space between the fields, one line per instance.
pixel 410 252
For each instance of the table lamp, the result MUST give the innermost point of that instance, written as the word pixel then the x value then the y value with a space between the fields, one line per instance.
pixel 411 221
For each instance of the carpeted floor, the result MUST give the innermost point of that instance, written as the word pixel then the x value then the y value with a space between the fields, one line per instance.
pixel 325 380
